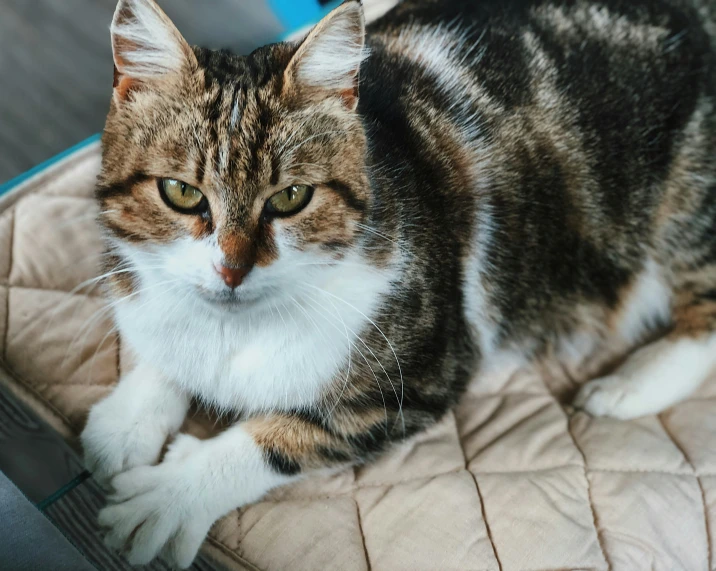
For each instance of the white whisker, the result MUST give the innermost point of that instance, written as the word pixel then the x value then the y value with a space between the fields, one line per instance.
pixel 374 324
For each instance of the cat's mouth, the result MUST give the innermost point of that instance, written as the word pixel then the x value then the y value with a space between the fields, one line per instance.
pixel 232 299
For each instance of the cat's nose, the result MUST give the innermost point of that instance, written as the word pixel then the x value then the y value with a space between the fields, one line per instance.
pixel 232 276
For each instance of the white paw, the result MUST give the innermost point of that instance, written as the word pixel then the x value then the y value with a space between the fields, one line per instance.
pixel 609 396
pixel 115 439
pixel 129 427
pixel 158 510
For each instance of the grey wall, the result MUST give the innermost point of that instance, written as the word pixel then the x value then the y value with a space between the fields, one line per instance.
pixel 56 65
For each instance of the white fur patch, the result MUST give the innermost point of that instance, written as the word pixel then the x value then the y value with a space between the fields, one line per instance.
pixel 479 310
pixel 648 305
pixel 277 343
pixel 278 349
pixel 651 380
pixel 129 427
pixel 145 42
pixel 443 52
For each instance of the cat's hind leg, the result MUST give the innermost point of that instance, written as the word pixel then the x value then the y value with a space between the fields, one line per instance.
pixel 662 373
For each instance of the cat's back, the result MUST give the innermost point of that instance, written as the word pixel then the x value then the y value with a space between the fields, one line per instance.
pixel 587 101
pixel 568 122
pixel 620 52
pixel 580 101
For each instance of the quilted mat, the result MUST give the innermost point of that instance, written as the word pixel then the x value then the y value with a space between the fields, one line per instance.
pixel 510 481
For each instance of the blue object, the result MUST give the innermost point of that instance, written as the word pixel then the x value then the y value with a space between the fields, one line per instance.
pixel 294 14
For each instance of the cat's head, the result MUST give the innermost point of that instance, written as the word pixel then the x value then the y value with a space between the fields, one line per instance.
pixel 233 176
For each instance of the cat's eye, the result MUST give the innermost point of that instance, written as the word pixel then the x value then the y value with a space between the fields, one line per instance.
pixel 290 200
pixel 182 196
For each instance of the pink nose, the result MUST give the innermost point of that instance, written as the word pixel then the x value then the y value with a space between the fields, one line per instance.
pixel 232 276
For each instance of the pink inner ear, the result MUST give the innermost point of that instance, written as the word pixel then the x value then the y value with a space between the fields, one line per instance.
pixel 121 83
pixel 350 97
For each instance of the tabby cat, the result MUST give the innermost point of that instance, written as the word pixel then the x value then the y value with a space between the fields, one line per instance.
pixel 329 238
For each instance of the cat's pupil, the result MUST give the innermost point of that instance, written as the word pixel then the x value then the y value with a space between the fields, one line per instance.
pixel 183 188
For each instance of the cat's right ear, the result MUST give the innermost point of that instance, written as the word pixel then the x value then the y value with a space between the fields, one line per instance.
pixel 328 60
pixel 146 47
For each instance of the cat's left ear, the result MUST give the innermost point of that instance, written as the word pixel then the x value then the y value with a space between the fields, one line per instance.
pixel 146 47
pixel 329 58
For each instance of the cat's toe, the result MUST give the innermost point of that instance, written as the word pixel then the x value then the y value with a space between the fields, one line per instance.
pixel 157 509
pixel 181 447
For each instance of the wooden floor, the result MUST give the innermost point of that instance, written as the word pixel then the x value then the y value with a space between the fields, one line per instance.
pixel 39 462
pixel 56 65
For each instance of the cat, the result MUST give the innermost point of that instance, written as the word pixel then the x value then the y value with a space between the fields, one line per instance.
pixel 331 237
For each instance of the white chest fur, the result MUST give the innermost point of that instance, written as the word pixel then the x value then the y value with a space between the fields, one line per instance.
pixel 282 355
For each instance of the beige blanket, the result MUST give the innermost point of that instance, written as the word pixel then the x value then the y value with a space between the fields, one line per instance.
pixel 509 481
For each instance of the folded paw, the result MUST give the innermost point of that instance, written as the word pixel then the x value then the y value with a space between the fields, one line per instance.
pixel 157 510
pixel 114 442
pixel 611 396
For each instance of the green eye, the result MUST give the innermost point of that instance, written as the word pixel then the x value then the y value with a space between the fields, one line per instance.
pixel 180 195
pixel 290 200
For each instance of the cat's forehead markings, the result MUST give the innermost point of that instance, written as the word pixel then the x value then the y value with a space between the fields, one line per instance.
pixel 235 114
pixel 236 102
pixel 231 102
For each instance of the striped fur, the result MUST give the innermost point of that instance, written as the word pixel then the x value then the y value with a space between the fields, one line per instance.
pixel 495 181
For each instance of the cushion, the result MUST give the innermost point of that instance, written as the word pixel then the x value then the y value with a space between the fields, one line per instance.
pixel 510 480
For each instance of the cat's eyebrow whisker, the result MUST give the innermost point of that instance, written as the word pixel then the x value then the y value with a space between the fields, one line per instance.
pixel 301 180
pixel 295 165
pixel 292 136
pixel 308 139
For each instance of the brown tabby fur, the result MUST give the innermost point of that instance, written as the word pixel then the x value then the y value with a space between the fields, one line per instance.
pixel 588 145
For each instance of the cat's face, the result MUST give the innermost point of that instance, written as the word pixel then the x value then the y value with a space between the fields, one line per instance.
pixel 233 177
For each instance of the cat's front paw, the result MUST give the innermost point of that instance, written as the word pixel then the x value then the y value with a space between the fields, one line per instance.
pixel 115 440
pixel 158 510
pixel 129 427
